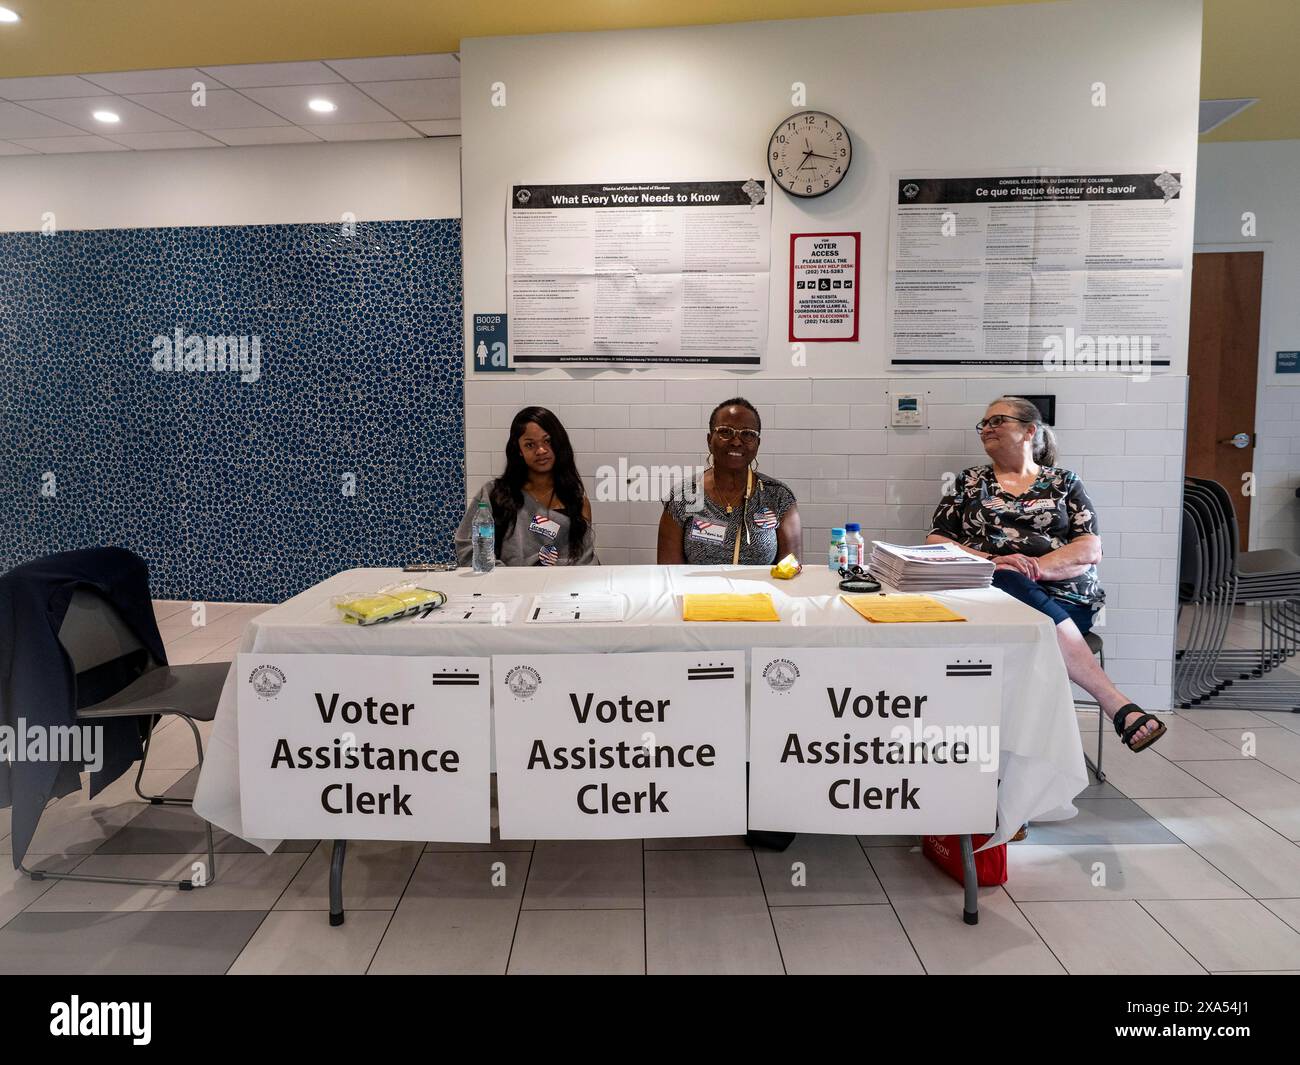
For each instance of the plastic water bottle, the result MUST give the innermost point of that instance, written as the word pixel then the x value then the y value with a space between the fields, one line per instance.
pixel 857 547
pixel 485 540
pixel 838 555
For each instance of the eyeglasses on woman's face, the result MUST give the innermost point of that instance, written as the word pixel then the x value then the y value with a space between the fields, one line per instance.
pixel 996 421
pixel 727 434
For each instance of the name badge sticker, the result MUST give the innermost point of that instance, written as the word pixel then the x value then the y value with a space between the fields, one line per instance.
pixel 707 532
pixel 544 527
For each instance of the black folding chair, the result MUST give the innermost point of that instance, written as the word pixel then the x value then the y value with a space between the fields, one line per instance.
pixel 94 635
pixel 1215 576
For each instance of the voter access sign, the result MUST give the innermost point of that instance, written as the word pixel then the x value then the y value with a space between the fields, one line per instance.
pixel 824 286
pixel 620 746
pixel 364 747
pixel 874 741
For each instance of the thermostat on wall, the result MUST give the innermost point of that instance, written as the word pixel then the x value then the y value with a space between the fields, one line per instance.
pixel 906 409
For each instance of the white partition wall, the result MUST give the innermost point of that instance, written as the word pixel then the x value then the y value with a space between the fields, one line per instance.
pixel 995 89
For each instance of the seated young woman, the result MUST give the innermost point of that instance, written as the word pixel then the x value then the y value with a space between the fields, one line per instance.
pixel 1037 524
pixel 539 504
pixel 732 514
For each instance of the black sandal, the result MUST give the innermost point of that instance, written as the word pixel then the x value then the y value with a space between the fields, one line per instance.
pixel 1126 733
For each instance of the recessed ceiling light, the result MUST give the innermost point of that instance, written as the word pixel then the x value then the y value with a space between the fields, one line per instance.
pixel 107 116
pixel 9 16
pixel 321 105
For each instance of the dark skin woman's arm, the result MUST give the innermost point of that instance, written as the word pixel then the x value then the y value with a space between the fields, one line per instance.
pixel 670 542
pixel 789 535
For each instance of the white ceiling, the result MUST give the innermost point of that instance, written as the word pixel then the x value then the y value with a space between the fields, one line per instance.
pixel 386 98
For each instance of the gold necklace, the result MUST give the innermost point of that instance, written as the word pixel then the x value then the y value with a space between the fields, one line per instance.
pixel 743 492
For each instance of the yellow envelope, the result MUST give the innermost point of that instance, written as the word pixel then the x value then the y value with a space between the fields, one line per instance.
pixel 900 608
pixel 757 607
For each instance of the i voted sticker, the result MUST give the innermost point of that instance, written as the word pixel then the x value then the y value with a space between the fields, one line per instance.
pixel 707 532
pixel 765 519
pixel 548 556
pixel 544 527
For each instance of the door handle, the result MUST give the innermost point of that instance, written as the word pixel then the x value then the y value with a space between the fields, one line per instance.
pixel 1238 440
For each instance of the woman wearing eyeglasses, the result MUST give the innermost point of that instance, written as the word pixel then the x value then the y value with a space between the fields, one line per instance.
pixel 1037 524
pixel 539 506
pixel 732 514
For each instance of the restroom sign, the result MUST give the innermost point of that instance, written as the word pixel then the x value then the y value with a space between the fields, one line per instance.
pixel 490 347
pixel 824 286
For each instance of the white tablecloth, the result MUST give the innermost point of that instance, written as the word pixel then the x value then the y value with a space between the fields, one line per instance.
pixel 1042 767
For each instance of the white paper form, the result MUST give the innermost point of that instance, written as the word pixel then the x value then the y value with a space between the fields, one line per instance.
pixel 474 608
pixel 577 607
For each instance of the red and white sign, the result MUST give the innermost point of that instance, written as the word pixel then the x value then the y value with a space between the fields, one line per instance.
pixel 824 286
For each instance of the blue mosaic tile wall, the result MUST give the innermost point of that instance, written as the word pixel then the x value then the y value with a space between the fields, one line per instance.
pixel 234 490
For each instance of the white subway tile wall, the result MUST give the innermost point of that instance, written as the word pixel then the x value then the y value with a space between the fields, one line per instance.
pixel 829 441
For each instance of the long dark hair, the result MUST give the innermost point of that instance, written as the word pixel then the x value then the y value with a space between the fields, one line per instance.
pixel 508 492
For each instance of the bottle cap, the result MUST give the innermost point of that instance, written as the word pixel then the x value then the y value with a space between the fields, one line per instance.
pixel 837 533
pixel 853 526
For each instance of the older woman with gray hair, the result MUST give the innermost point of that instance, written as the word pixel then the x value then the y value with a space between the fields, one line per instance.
pixel 1037 524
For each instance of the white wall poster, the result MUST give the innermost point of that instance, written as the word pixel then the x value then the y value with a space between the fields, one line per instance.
pixel 1036 270
pixel 364 747
pixel 620 746
pixel 638 273
pixel 874 741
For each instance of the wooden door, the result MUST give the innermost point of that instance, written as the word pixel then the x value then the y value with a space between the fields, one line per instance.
pixel 1222 364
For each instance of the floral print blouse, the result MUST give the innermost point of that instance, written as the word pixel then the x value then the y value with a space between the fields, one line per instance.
pixel 1053 511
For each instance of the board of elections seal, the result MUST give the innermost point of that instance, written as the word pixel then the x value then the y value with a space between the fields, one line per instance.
pixel 911 189
pixel 523 196
pixel 780 674
pixel 266 681
pixel 523 681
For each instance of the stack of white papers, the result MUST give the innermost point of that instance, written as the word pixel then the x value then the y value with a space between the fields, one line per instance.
pixel 928 567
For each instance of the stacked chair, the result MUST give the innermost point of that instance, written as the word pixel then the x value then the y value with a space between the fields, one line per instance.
pixel 1215 576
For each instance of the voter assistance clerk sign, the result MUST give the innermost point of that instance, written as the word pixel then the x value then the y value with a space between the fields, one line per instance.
pixel 364 747
pixel 620 746
pixel 879 741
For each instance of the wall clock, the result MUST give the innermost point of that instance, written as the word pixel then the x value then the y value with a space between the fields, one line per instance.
pixel 809 153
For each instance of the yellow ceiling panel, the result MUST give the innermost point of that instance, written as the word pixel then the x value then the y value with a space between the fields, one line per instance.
pixel 1248 43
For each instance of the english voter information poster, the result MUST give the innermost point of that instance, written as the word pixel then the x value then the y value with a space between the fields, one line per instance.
pixel 639 273
pixel 364 747
pixel 620 746
pixel 874 741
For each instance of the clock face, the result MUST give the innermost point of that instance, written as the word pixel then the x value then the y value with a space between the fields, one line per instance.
pixel 809 153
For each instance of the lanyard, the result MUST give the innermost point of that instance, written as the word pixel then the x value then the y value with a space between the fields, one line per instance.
pixel 749 486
